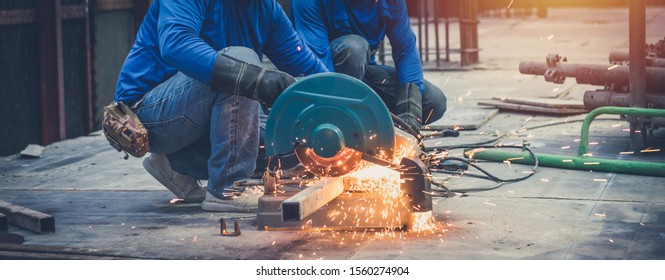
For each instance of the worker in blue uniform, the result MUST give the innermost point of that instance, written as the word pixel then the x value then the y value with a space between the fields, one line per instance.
pixel 195 80
pixel 346 34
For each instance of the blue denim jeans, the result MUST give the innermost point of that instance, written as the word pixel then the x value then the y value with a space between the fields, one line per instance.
pixel 205 134
pixel 351 56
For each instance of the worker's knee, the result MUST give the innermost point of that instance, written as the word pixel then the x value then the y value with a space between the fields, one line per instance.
pixel 434 103
pixel 350 55
pixel 243 54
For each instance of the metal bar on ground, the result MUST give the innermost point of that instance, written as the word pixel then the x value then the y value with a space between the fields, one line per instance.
pixel 27 218
pixel 43 252
pixel 307 201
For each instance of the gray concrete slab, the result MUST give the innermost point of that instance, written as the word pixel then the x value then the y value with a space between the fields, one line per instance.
pixel 102 202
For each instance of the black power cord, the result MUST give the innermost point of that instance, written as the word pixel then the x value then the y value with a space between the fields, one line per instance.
pixel 487 175
pixel 429 149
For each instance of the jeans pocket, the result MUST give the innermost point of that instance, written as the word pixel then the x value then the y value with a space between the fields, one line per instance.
pixel 172 135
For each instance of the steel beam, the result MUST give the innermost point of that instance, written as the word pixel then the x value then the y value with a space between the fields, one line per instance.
pixel 88 110
pixel 469 32
pixel 27 218
pixel 13 17
pixel 307 201
pixel 638 72
pixel 52 88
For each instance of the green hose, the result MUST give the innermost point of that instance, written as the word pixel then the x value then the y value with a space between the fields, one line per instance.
pixel 582 161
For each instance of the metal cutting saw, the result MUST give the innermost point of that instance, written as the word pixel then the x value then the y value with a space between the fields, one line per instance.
pixel 369 174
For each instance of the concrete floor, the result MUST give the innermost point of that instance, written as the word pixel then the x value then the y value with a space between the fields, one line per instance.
pixel 104 203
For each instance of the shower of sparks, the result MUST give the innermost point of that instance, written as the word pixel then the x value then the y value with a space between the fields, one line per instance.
pixel 565 147
pixel 510 4
pixel 600 180
pixel 592 163
pixel 550 37
pixel 649 150
pixel 612 67
pixel 626 153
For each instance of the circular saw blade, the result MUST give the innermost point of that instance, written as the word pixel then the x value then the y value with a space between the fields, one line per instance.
pixel 345 161
pixel 330 120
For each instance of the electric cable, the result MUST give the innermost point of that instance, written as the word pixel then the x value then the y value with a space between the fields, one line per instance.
pixel 487 175
pixel 432 148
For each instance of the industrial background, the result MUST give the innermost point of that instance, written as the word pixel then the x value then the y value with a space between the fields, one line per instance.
pixel 524 81
pixel 61 58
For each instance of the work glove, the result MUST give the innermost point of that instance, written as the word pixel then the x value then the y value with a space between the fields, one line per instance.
pixel 409 106
pixel 231 75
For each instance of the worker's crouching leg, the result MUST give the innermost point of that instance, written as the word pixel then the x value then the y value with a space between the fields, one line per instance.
pixel 234 137
pixel 383 80
pixel 351 55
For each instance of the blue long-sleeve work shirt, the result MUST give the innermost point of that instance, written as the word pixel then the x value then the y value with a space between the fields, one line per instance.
pixel 321 21
pixel 185 35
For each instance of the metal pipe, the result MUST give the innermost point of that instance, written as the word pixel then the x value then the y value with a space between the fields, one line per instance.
pixel 598 98
pixel 594 74
pixel 584 134
pixel 638 79
pixel 638 72
pixel 574 162
pixel 651 60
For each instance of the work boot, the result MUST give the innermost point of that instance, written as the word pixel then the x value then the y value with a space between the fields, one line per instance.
pixel 247 201
pixel 183 186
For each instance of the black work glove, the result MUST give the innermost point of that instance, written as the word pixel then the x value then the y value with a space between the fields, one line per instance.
pixel 409 106
pixel 233 76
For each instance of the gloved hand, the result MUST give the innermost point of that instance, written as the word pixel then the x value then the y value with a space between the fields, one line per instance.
pixel 409 106
pixel 231 75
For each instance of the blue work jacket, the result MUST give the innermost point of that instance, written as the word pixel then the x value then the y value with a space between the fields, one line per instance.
pixel 185 35
pixel 321 21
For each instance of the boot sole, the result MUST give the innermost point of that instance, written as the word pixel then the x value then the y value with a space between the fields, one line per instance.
pixel 160 177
